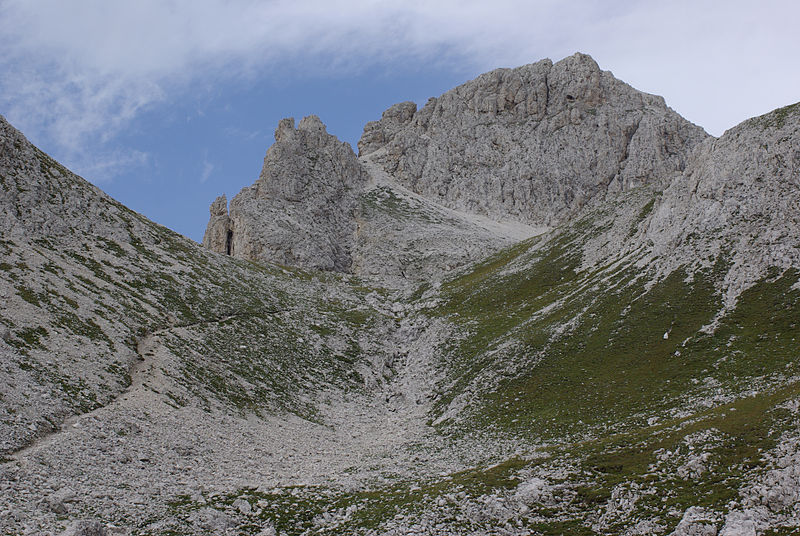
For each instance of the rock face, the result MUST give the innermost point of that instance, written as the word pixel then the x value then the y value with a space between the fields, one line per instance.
pixel 378 133
pixel 535 143
pixel 41 198
pixel 219 232
pixel 738 197
pixel 300 210
pixel 404 238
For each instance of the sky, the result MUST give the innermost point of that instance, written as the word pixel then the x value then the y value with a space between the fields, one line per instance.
pixel 165 104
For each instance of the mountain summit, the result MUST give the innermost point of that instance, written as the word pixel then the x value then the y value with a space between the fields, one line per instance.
pixel 543 303
pixel 300 211
pixel 531 145
pixel 535 143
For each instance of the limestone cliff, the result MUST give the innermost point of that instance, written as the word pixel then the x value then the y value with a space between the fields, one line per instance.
pixel 531 145
pixel 535 143
pixel 739 198
pixel 300 210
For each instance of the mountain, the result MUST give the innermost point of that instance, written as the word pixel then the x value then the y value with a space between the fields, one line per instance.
pixel 535 143
pixel 528 147
pixel 543 303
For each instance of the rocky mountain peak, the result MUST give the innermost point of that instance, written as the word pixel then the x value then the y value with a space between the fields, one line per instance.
pixel 300 210
pixel 533 144
pixel 285 131
pixel 312 123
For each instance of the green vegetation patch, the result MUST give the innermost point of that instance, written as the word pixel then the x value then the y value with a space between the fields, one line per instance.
pixel 85 328
pixel 729 439
pixel 29 337
pixel 29 296
pixel 777 118
pixel 573 350
pixel 489 304
pixel 261 361
pixel 613 364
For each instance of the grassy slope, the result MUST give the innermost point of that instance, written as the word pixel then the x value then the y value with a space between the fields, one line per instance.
pixel 609 403
pixel 577 362
pixel 79 304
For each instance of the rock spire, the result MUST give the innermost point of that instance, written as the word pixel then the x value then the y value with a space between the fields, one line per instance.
pixel 300 210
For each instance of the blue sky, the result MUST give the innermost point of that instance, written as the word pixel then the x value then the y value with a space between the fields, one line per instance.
pixel 166 104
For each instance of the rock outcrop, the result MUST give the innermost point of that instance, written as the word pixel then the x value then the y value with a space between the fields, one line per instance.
pixel 738 198
pixel 219 232
pixel 535 143
pixel 300 211
pixel 317 206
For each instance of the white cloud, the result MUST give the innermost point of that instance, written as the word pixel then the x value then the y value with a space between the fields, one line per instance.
pixel 102 165
pixel 77 72
pixel 208 168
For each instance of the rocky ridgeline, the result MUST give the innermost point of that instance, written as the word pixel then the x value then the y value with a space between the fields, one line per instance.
pixel 532 145
pixel 300 211
pixel 738 198
pixel 317 206
pixel 535 143
pixel 57 204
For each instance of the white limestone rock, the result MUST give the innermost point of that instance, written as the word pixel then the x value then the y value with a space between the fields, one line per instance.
pixel 535 143
pixel 218 236
pixel 697 521
pixel 738 524
pixel 212 325
pixel 300 210
pixel 739 198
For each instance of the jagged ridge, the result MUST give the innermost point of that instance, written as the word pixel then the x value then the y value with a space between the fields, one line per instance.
pixel 535 143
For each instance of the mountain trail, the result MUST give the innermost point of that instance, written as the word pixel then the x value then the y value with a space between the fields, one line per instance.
pixel 504 229
pixel 144 374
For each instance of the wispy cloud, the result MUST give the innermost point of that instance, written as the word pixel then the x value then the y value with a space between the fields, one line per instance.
pixel 208 168
pixel 103 165
pixel 242 134
pixel 77 72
